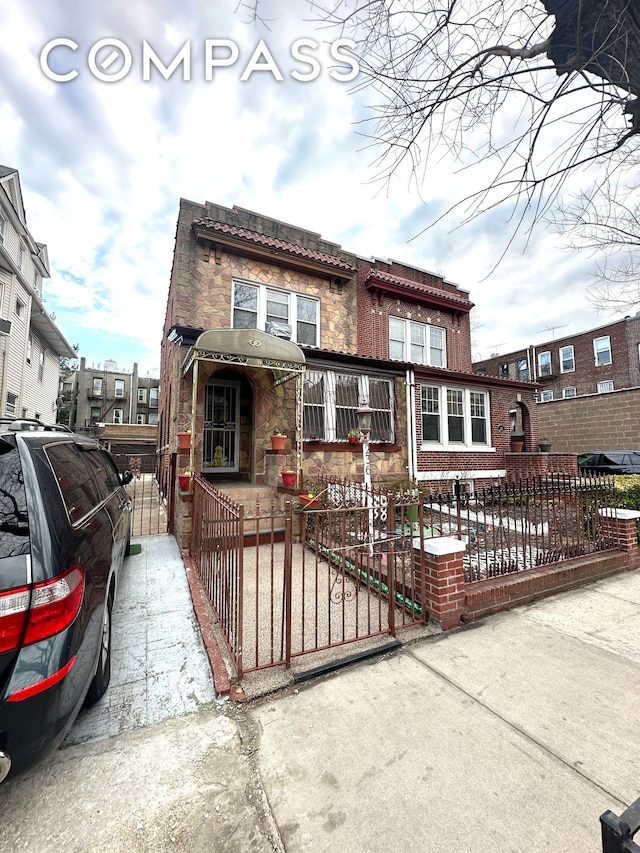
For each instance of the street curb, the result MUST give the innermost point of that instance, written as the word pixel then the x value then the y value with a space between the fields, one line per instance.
pixel 221 681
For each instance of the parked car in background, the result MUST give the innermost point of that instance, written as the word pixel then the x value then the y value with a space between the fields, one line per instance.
pixel 64 532
pixel 610 461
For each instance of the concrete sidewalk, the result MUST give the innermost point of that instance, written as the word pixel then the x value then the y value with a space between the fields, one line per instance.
pixel 514 734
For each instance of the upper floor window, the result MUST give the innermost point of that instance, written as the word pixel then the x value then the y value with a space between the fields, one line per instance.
pixel 331 402
pixel 118 416
pixel 544 364
pixel 602 350
pixel 22 257
pixel 37 283
pixel 41 365
pixel 29 349
pixel 546 396
pixel 3 229
pixel 119 388
pixel 19 309
pixel 153 419
pixel 605 387
pixel 10 405
pixel 567 360
pixel 142 395
pixel 153 399
pixel 416 342
pixel 522 369
pixel 288 314
pixel 96 386
pixel 569 392
pixel 140 419
pixel 455 416
pixel 504 370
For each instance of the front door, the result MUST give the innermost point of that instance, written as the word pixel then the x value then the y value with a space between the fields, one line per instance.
pixel 220 452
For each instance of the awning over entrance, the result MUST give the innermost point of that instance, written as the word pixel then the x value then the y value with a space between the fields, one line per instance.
pixel 251 348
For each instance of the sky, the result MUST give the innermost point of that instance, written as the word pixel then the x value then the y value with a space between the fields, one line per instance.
pixel 104 163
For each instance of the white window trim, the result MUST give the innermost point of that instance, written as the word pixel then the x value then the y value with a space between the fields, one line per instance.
pixel 566 396
pixel 142 395
pixel 595 350
pixel 120 413
pixel 601 390
pixel 455 446
pixel 154 397
pixel 546 396
pixel 3 230
pixel 561 360
pixel 115 389
pixel 540 354
pixel 406 342
pixel 292 295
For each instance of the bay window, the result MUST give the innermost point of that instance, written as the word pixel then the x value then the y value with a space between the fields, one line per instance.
pixel 288 314
pixel 332 399
pixel 454 416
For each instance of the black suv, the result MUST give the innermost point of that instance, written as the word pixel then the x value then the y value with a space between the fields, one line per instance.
pixel 64 532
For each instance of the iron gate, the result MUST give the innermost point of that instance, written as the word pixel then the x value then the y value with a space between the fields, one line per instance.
pixel 288 582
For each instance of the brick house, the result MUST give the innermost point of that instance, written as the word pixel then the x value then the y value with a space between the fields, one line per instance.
pixel 270 327
pixel 582 379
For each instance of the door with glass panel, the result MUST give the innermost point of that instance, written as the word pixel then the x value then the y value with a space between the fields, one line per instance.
pixel 221 427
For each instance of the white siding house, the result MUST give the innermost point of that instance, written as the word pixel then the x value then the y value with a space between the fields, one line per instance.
pixel 30 342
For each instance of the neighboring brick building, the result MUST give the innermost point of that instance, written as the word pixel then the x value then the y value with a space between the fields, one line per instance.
pixel 343 331
pixel 105 394
pixel 580 377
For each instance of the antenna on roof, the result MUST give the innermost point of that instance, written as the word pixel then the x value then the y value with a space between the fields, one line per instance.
pixel 552 330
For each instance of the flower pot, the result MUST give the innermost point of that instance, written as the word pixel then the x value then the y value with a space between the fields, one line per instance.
pixel 184 441
pixel 517 445
pixel 353 440
pixel 185 482
pixel 277 442
pixel 289 479
pixel 309 502
pixel 544 447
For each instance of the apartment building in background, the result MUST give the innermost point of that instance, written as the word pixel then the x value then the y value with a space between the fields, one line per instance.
pixel 31 344
pixel 107 395
pixel 591 381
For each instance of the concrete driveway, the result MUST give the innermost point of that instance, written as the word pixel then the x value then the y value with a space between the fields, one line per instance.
pixel 512 735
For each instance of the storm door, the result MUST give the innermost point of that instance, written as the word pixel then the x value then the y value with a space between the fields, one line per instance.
pixel 221 427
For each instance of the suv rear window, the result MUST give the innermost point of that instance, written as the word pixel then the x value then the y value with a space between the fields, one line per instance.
pixel 14 521
pixel 73 474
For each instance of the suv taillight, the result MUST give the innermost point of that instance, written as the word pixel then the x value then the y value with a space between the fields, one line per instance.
pixel 50 607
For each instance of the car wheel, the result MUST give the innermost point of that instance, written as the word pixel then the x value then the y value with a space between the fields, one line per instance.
pixel 100 680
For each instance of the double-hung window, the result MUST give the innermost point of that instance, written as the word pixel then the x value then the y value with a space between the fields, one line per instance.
pixel 522 370
pixel 602 350
pixel 118 416
pixel 119 388
pixel 3 229
pixel 142 395
pixel 456 417
pixel 282 312
pixel 153 397
pixel 417 342
pixel 544 364
pixel 332 399
pixel 567 359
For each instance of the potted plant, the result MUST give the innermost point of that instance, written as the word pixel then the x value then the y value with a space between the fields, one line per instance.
pixel 289 478
pixel 184 440
pixel 308 500
pixel 353 436
pixel 544 445
pixel 277 440
pixel 185 481
pixel 517 442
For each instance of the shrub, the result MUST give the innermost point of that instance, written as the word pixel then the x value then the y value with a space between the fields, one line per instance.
pixel 628 490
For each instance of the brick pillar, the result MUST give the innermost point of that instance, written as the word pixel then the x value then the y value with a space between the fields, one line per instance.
pixel 621 525
pixel 444 578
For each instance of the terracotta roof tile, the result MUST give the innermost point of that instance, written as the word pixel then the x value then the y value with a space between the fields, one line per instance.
pixel 416 287
pixel 273 243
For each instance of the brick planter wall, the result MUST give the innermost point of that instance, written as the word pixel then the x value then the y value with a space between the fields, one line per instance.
pixel 450 601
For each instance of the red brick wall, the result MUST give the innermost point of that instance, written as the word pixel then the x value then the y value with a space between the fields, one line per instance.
pixel 374 311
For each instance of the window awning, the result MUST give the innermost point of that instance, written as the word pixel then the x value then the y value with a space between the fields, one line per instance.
pixel 250 348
